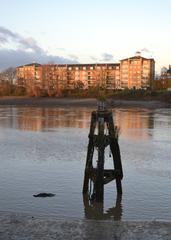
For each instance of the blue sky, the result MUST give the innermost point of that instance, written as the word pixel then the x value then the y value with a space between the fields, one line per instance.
pixel 84 31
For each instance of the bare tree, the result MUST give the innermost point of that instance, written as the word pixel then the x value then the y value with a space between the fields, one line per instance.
pixel 9 75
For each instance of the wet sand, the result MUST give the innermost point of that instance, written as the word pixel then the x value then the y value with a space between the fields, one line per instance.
pixel 75 102
pixel 20 227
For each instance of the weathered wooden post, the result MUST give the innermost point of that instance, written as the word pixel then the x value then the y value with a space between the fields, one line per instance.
pixel 107 134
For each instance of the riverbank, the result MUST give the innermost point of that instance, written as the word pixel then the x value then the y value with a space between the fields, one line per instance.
pixel 75 102
pixel 20 227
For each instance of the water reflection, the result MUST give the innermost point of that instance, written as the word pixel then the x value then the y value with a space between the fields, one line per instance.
pixel 45 118
pixel 40 119
pixel 95 210
pixel 47 162
pixel 136 120
pixel 134 123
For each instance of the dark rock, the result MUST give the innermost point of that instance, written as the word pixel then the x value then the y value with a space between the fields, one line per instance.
pixel 43 195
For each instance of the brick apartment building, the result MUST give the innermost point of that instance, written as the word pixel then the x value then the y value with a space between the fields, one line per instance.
pixel 135 72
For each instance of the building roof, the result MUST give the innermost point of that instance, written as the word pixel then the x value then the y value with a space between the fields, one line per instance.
pixel 93 64
pixel 137 57
pixel 30 64
pixel 72 65
pixel 33 64
pixel 83 64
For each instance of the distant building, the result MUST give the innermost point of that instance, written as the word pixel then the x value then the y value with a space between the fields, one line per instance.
pixel 164 81
pixel 166 72
pixel 135 72
pixel 55 78
pixel 27 74
pixel 163 71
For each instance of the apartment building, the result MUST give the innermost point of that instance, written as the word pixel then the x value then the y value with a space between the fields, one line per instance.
pixel 135 72
pixel 53 77
pixel 92 75
pixel 26 74
pixel 36 77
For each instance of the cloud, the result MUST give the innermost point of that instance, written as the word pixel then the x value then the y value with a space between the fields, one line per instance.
pixel 94 58
pixel 147 52
pixel 107 57
pixel 14 58
pixel 73 57
pixel 6 33
pixel 3 40
pixel 30 44
pixel 26 51
pixel 61 49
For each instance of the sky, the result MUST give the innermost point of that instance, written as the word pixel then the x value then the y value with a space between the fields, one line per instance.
pixel 77 31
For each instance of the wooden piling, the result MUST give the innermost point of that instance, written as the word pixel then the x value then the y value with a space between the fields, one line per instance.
pixel 103 120
pixel 99 185
pixel 90 152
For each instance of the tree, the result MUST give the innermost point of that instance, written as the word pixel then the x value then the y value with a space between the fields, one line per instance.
pixel 9 75
pixel 79 85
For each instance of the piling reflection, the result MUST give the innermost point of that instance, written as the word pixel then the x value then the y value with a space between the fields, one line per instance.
pixel 95 210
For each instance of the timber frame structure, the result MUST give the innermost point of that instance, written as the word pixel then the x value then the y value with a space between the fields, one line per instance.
pixel 102 120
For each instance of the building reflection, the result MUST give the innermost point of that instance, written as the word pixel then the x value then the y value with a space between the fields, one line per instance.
pixel 133 123
pixel 41 119
pixel 95 210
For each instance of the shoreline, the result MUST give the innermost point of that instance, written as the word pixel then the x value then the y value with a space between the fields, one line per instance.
pixel 79 102
pixel 18 226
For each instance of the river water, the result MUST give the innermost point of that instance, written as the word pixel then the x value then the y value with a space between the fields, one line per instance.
pixel 44 150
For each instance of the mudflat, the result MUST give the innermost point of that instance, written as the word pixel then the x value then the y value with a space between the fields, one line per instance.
pixel 78 102
pixel 20 227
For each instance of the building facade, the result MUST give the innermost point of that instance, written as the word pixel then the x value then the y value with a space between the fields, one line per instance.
pixel 136 72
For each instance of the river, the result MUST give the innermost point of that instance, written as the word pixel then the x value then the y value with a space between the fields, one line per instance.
pixel 44 150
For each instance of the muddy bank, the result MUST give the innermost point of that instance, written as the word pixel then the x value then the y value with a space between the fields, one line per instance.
pixel 71 102
pixel 13 226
